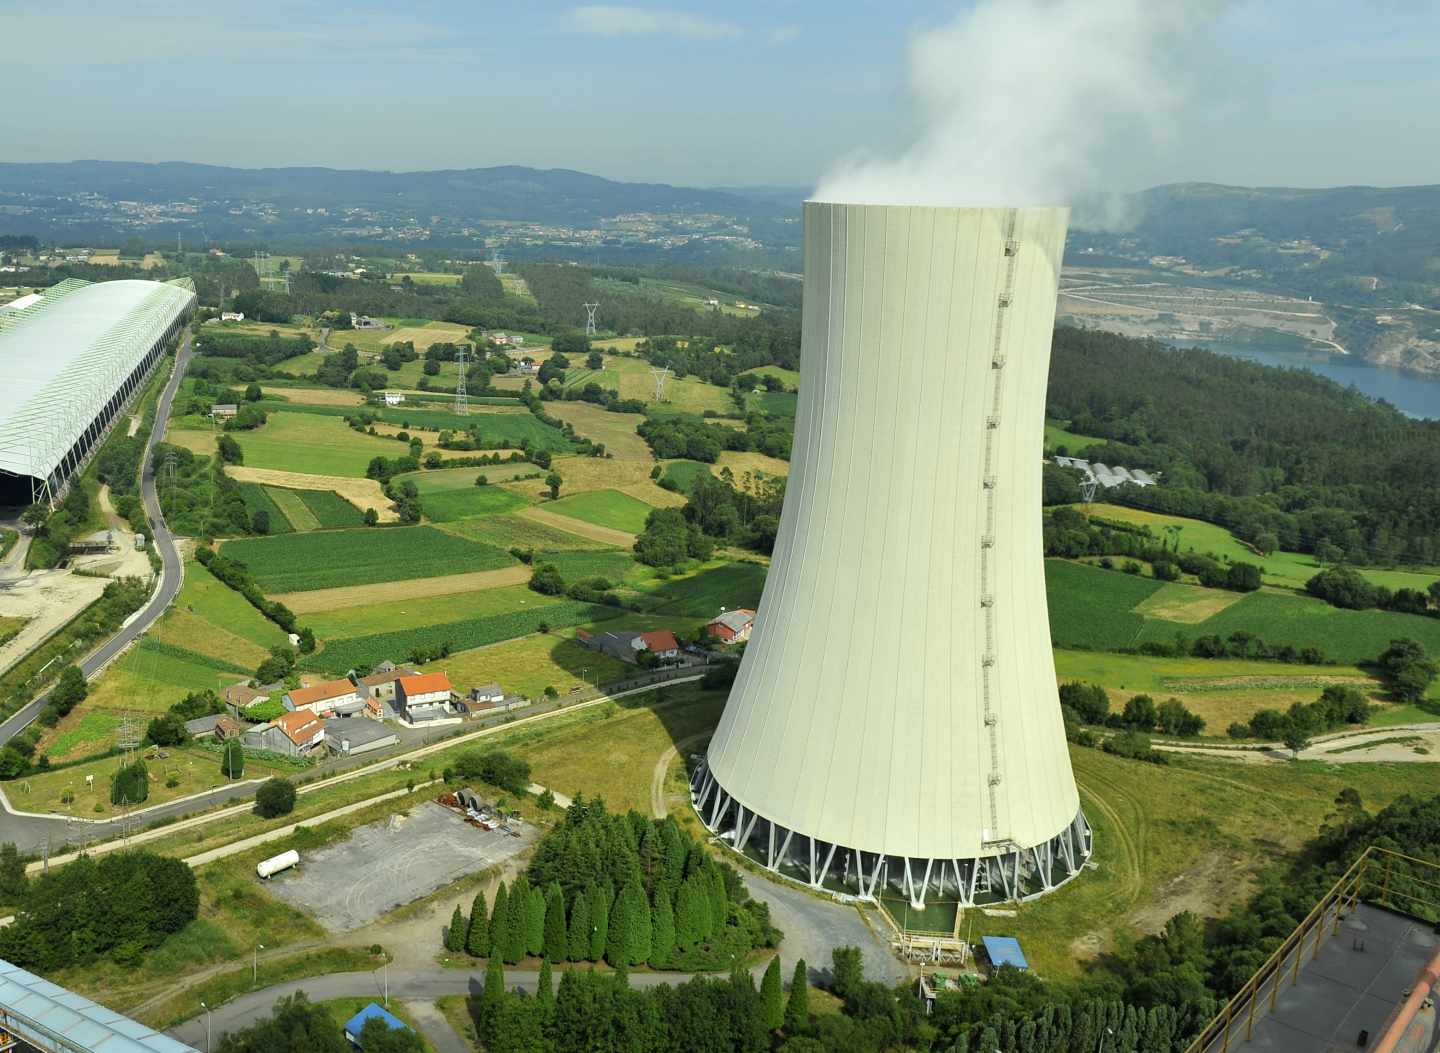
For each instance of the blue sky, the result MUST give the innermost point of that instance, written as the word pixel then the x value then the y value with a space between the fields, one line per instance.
pixel 1283 92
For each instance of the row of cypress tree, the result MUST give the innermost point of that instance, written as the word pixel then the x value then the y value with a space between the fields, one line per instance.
pixel 623 889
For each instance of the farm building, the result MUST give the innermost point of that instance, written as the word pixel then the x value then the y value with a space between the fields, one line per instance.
pixel 293 734
pixel 627 646
pixel 332 696
pixel 380 684
pixel 216 726
pixel 391 398
pixel 661 643
pixel 73 358
pixel 490 694
pixel 351 736
pixel 732 626
pixel 243 694
pixel 232 316
pixel 425 696
pixel 224 410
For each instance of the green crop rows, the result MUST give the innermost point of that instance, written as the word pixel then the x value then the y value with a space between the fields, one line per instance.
pixel 611 564
pixel 1092 608
pixel 333 511
pixel 343 655
pixel 444 506
pixel 330 558
pixel 257 499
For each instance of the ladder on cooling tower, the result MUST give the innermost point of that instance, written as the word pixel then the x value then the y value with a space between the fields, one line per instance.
pixel 989 485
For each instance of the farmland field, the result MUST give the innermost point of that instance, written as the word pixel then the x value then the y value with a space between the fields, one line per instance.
pixel 529 665
pixel 513 531
pixel 437 480
pixel 330 509
pixel 222 606
pixel 611 564
pixel 789 377
pixel 461 635
pixel 606 508
pixel 444 506
pixel 258 499
pixel 299 562
pixel 313 443
pixel 1094 608
pixel 773 403
pixel 702 593
pixel 615 430
pixel 683 473
pixel 293 509
pixel 501 425
pixel 1057 435
pixel 400 614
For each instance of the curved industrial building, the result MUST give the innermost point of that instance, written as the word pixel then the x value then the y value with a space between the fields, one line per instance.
pixel 895 720
pixel 71 357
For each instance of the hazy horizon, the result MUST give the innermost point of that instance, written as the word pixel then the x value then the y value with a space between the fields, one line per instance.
pixel 773 95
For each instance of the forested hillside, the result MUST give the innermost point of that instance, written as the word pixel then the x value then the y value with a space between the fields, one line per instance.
pixel 1257 449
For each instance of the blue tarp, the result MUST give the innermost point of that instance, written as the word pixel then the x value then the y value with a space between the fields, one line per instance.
pixel 1005 950
pixel 356 1023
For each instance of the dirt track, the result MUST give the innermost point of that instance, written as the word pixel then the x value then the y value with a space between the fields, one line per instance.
pixel 606 535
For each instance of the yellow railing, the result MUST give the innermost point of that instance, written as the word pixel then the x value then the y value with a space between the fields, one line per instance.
pixel 1368 878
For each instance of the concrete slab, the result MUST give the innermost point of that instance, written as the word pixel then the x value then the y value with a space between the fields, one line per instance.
pixel 393 862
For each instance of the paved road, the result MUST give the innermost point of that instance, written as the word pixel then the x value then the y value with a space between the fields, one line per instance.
pixel 29 833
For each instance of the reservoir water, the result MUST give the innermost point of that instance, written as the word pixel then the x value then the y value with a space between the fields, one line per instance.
pixel 1414 394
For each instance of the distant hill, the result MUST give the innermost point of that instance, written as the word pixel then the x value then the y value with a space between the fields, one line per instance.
pixel 508 192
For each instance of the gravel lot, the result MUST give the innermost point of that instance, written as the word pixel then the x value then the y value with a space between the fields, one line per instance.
pixel 390 863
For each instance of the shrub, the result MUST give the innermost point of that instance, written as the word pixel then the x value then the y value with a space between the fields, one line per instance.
pixel 232 761
pixel 131 784
pixel 275 797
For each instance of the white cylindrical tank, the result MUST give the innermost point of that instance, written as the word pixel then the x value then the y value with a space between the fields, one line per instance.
pixel 895 717
pixel 272 866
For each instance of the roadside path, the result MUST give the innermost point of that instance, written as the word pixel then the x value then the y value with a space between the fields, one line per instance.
pixel 170 576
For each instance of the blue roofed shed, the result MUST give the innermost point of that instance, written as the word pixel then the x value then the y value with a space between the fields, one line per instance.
pixel 374 1010
pixel 1005 950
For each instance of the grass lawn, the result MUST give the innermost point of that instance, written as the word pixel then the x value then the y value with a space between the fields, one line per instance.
pixel 82 732
pixel 511 531
pixel 1057 435
pixel 1186 836
pixel 789 377
pixel 299 562
pixel 683 473
pixel 204 595
pixel 409 613
pixel 152 676
pixel 611 751
pixel 611 564
pixel 195 770
pixel 444 506
pixel 702 592
pixel 313 443
pixel 607 508
pixel 529 665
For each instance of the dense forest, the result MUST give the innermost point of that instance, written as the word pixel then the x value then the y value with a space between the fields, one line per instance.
pixel 1260 450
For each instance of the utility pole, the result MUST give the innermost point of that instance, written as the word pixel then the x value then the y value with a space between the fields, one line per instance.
pixel 462 399
pixel 590 309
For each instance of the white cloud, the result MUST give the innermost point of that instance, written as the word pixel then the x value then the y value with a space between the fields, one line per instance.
pixel 784 34
pixel 621 20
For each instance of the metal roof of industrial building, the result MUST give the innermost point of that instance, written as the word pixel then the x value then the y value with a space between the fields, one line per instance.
pixel 66 354
pixel 41 1010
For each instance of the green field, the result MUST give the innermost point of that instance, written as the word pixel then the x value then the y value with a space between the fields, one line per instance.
pixel 703 592
pixel 789 377
pixel 291 510
pixel 611 564
pixel 437 480
pixel 1290 569
pixel 205 596
pixel 773 403
pixel 510 531
pixel 1057 435
pixel 259 499
pixel 607 508
pixel 1094 608
pixel 331 510
pixel 295 440
pixel 300 562
pixel 684 473
pixel 294 510
pixel 397 615
pixel 444 506
pixel 341 655
pixel 498 426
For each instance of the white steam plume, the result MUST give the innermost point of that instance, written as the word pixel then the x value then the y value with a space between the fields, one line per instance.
pixel 1034 102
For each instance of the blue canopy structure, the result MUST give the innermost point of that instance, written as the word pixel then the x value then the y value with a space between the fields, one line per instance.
pixel 1005 950
pixel 374 1010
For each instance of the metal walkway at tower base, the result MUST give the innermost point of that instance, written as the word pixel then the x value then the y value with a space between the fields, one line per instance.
pixel 37 1014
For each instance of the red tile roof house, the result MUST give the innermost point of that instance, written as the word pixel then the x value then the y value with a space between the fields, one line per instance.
pixel 331 696
pixel 732 626
pixel 426 696
pixel 661 643
pixel 294 734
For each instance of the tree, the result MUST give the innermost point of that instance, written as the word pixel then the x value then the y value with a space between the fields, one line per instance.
pixel 455 934
pixel 253 393
pixel 230 451
pixel 546 580
pixel 580 926
pixel 477 938
pixel 1140 712
pixel 662 930
pixel 600 897
pixel 492 997
pixel 848 971
pixel 372 517
pixel 1266 543
pixel 556 944
pixel 69 691
pixel 167 730
pixel 499 913
pixel 553 481
pixel 1406 670
pixel 14 882
pixel 535 923
pixel 595 360
pixel 482 480
pixel 232 763
pixel 296 1025
pixel 130 784
pixel 797 1008
pixel 1297 737
pixel 275 797
pixel 772 996
pixel 260 522
pixel 509 939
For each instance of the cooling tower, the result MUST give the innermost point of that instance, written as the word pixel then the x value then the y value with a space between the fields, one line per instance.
pixel 895 718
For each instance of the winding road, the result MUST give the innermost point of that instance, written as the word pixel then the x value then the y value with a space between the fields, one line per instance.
pixel 29 832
